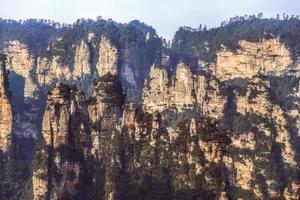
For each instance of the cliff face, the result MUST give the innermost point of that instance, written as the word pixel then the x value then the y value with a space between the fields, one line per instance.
pixel 32 76
pixel 265 57
pixel 253 91
pixel 262 138
pixel 60 159
pixel 5 111
pixel 185 90
pixel 162 91
pixel 258 111
pixel 150 123
pixel 120 146
pixel 171 129
pixel 108 58
pixel 77 135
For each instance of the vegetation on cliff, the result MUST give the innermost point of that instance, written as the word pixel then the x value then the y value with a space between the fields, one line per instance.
pixel 109 148
pixel 192 44
pixel 38 35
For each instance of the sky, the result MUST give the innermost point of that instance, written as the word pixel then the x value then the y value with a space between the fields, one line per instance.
pixel 166 16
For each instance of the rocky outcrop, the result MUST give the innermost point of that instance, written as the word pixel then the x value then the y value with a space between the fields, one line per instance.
pixel 185 90
pixel 125 145
pixel 6 115
pixel 162 92
pixel 180 124
pixel 77 134
pixel 224 130
pixel 210 98
pixel 156 90
pixel 259 134
pixel 61 157
pixel 21 62
pixel 24 84
pixel 78 63
pixel 108 57
pixel 105 108
pixel 265 57
pixel 82 63
pixel 105 111
pixel 258 116
pixel 253 91
pixel 63 103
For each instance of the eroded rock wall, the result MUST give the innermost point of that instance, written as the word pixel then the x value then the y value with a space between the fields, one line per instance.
pixel 60 158
pixel 265 57
pixel 227 132
pixel 6 115
pixel 80 63
pixel 254 92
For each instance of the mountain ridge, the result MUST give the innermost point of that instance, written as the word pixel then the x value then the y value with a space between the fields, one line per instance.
pixel 121 114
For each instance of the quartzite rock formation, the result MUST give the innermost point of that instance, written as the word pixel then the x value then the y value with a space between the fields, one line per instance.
pixel 119 114
pixel 6 115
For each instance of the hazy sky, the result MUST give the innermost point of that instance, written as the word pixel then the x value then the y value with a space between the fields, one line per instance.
pixel 166 16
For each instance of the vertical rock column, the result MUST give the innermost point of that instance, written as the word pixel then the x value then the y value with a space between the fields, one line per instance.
pixel 105 111
pixel 6 116
pixel 61 158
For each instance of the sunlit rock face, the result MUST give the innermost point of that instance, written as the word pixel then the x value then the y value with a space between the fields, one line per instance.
pixel 238 128
pixel 21 62
pixel 162 91
pixel 108 57
pixel 263 87
pixel 6 115
pixel 82 64
pixel 24 86
pixel 156 90
pixel 254 91
pixel 64 137
pixel 63 102
pixel 78 62
pixel 265 57
pixel 260 133
pixel 148 118
pixel 184 90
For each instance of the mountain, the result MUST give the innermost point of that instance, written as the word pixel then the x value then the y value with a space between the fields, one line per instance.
pixel 116 114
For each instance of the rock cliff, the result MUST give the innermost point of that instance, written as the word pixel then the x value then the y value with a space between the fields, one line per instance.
pixel 128 117
pixel 259 119
pixel 6 114
pixel 264 57
pixel 253 91
pixel 78 63
pixel 60 158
